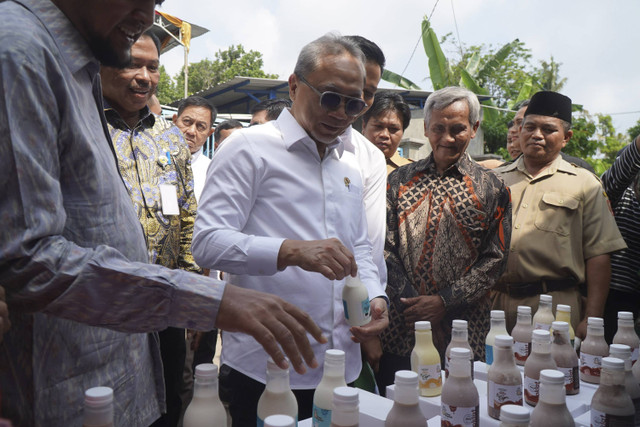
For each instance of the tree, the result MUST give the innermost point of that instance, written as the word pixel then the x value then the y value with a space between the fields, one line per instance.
pixel 167 91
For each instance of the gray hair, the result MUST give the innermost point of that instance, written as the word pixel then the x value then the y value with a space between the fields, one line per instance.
pixel 442 98
pixel 331 44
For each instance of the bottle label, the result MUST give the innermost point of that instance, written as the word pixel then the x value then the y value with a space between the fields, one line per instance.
pixel 366 310
pixel 321 417
pixel 544 326
pixel 634 355
pixel 531 390
pixel 571 379
pixel 600 419
pixel 460 416
pixel 590 364
pixel 430 376
pixel 488 354
pixel 521 350
pixel 500 395
pixel 366 307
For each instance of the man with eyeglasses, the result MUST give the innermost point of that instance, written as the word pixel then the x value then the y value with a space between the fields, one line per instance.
pixel 284 214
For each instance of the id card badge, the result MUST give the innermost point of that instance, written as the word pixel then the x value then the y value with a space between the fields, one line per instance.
pixel 169 199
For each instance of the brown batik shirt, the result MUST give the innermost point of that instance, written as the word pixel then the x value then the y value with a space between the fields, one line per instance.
pixel 446 235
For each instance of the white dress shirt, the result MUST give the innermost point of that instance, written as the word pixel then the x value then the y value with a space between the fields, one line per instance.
pixel 267 186
pixel 199 166
pixel 373 169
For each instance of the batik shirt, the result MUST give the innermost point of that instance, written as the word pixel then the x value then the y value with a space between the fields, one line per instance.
pixel 152 154
pixel 446 235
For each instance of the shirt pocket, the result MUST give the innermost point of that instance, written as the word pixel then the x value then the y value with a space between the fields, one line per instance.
pixel 556 212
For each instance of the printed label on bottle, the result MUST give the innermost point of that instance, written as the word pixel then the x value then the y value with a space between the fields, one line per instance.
pixel 634 355
pixel 488 354
pixel 571 379
pixel 460 416
pixel 600 419
pixel 531 390
pixel 521 350
pixel 590 364
pixel 366 307
pixel 430 376
pixel 321 417
pixel 500 395
pixel 544 326
pixel 447 360
pixel 346 310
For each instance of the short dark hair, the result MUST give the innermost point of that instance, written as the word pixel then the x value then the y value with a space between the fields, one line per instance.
pixel 272 106
pixel 198 101
pixel 389 101
pixel 226 125
pixel 372 51
pixel 154 39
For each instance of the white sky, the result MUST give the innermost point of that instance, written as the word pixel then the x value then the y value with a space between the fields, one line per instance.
pixel 594 40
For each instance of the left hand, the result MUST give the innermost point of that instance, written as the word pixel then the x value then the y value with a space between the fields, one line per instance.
pixel 581 331
pixel 379 322
pixel 424 307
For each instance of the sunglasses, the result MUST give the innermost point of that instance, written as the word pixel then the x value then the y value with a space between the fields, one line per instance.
pixel 331 101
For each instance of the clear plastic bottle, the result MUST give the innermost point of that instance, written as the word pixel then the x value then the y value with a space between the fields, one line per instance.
pixel 539 360
pixel 592 350
pixel 626 334
pixel 514 416
pixel 498 327
pixel 345 410
pixel 332 378
pixel 504 383
pixel 521 334
pixel 544 315
pixel 277 398
pixel 563 314
pixel 623 352
pixel 611 404
pixel 565 357
pixel 460 339
pixel 205 408
pixel 274 421
pixel 355 298
pixel 460 403
pixel 98 407
pixel 425 361
pixel 405 411
pixel 551 410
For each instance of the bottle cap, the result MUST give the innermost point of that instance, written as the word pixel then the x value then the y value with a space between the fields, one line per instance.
pixel 595 321
pixel 423 325
pixel 459 324
pixel 563 307
pixel 541 335
pixel 98 397
pixel 334 355
pixel 551 376
pixel 514 414
pixel 460 353
pixel 621 351
pixel 546 298
pixel 626 315
pixel 497 314
pixel 557 325
pixel 406 378
pixel 524 309
pixel 345 395
pixel 272 367
pixel 279 421
pixel 613 363
pixel 503 341
pixel 206 371
pixel 352 281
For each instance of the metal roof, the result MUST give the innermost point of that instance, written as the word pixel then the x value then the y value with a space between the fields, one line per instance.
pixel 162 28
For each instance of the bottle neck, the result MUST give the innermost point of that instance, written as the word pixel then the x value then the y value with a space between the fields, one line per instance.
pixel 424 338
pixel 460 335
pixel 594 332
pixel 541 347
pixel 205 387
pixel 609 377
pixel 552 393
pixel 345 414
pixel 333 368
pixel 504 356
pixel 460 368
pixel 544 306
pixel 498 325
pixel 524 319
pixel 406 395
pixel 278 382
pixel 563 316
pixel 561 338
pixel 100 416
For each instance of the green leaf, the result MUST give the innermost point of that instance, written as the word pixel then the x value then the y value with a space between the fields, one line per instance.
pixel 490 114
pixel 525 93
pixel 494 62
pixel 439 70
pixel 398 80
pixel 473 63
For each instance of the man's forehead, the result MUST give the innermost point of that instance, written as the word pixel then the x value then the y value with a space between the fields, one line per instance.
pixel 537 118
pixel 197 113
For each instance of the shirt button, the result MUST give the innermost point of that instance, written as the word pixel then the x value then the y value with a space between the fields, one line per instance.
pixel 513 249
pixel 524 205
pixel 517 226
pixel 561 200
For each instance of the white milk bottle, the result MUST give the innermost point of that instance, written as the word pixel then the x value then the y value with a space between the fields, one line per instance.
pixel 551 410
pixel 498 327
pixel 205 408
pixel 514 416
pixel 565 357
pixel 332 377
pixel 277 398
pixel 345 411
pixel 460 339
pixel 355 298
pixel 539 359
pixel 592 350
pixel 626 334
pixel 98 407
pixel 544 314
pixel 521 334
pixel 563 314
pixel 623 352
pixel 425 361
pixel 276 421
pixel 611 405
pixel 504 383
pixel 460 404
pixel 405 411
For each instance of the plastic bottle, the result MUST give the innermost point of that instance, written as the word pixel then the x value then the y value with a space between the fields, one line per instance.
pixel 592 350
pixel 623 352
pixel 425 361
pixel 345 410
pixel 332 378
pixel 498 327
pixel 205 408
pixel 565 357
pixel 521 334
pixel 504 383
pixel 544 314
pixel 626 334
pixel 277 398
pixel 405 411
pixel 460 339
pixel 275 421
pixel 539 360
pixel 355 298
pixel 563 314
pixel 551 410
pixel 98 407
pixel 460 404
pixel 514 416
pixel 611 404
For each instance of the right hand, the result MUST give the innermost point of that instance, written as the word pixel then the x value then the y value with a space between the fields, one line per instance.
pixel 271 321
pixel 372 350
pixel 328 257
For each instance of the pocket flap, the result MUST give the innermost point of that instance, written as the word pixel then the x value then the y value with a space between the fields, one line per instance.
pixel 560 200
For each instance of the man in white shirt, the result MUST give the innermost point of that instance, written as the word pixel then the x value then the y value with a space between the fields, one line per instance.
pixel 283 202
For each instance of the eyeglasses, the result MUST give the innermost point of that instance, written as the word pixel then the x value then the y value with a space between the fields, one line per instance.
pixel 331 101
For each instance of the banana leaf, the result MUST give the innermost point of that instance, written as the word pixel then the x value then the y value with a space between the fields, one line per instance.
pixel 490 115
pixel 439 69
pixel 492 65
pixel 524 93
pixel 398 80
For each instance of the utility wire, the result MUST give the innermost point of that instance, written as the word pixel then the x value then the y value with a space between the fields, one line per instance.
pixel 419 38
pixel 455 21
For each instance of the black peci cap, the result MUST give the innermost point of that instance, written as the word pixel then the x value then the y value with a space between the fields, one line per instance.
pixel 550 104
